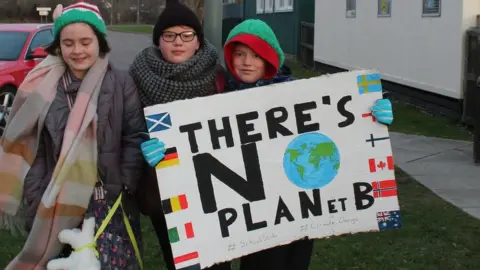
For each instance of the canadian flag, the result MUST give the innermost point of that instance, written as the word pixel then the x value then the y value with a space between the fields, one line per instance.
pixel 380 164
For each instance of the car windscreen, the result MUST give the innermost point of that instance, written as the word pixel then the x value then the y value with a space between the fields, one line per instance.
pixel 11 45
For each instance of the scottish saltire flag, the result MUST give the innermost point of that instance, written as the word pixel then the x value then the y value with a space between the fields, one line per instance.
pixel 369 83
pixel 388 220
pixel 158 122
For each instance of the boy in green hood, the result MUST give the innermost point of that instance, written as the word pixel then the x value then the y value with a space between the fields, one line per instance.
pixel 253 57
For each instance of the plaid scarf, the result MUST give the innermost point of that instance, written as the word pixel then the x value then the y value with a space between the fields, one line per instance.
pixel 161 82
pixel 66 198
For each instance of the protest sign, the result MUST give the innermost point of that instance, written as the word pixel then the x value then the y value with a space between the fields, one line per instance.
pixel 258 168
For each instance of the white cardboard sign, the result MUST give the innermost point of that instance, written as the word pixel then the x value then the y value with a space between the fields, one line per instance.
pixel 259 168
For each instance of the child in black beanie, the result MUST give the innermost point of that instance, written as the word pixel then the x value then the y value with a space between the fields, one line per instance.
pixel 181 64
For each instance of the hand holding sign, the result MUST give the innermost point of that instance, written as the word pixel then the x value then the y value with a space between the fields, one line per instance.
pixel 382 111
pixel 153 151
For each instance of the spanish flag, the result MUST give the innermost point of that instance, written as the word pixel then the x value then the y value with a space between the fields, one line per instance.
pixel 170 159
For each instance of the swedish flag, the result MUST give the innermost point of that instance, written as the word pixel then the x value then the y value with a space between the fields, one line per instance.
pixel 369 83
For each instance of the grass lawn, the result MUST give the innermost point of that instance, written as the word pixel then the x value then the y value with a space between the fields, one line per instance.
pixel 142 29
pixel 300 72
pixel 412 120
pixel 436 235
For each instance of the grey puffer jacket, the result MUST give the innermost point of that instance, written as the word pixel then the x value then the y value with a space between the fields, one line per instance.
pixel 120 131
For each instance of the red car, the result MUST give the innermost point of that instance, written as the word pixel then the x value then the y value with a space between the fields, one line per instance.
pixel 21 49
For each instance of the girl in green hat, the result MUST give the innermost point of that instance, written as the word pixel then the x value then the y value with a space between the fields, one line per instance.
pixel 67 157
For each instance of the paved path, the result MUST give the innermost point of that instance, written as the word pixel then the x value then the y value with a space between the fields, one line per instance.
pixel 125 47
pixel 444 166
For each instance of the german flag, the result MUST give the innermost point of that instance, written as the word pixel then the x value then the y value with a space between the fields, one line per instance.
pixel 175 204
pixel 170 159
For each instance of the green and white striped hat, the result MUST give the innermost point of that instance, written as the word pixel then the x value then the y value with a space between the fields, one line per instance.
pixel 80 12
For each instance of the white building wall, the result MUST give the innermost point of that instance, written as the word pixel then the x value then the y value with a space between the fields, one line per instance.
pixel 421 52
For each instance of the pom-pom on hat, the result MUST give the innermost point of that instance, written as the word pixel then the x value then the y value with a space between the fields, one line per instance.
pixel 176 14
pixel 79 12
pixel 257 35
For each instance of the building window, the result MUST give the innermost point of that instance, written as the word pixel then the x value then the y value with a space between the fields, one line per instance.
pixel 384 8
pixel 431 8
pixel 269 6
pixel 283 5
pixel 260 6
pixel 351 8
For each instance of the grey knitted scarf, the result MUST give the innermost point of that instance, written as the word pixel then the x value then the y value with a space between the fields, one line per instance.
pixel 161 82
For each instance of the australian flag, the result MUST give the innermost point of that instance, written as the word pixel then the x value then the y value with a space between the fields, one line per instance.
pixel 388 220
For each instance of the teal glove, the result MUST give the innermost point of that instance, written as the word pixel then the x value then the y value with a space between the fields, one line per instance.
pixel 153 151
pixel 382 111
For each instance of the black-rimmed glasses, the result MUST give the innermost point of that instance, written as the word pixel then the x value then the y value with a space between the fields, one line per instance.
pixel 186 36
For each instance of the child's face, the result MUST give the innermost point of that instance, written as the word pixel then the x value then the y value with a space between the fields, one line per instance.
pixel 178 44
pixel 248 66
